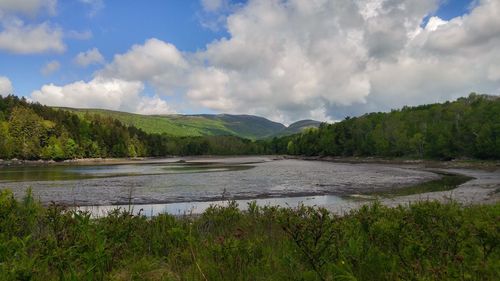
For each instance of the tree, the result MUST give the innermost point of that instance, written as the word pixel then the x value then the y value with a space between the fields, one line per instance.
pixel 26 128
pixel 6 142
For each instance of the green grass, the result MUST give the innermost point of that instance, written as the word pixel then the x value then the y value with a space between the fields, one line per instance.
pixel 424 241
pixel 174 125
pixel 447 182
pixel 245 126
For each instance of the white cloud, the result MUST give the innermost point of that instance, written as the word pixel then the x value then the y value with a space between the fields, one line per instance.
pixel 473 32
pixel 50 67
pixel 16 37
pixel 434 23
pixel 494 71
pixel 156 61
pixel 98 93
pixel 153 106
pixel 294 59
pixel 92 56
pixel 5 86
pixel 114 94
pixel 28 7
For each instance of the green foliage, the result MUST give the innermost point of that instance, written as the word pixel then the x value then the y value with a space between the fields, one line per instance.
pixel 424 241
pixel 466 128
pixel 33 131
pixel 25 128
pixel 244 126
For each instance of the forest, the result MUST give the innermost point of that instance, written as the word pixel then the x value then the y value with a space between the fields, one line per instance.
pixel 32 131
pixel 466 128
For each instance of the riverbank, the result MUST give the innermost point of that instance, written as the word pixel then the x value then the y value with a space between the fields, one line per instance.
pixel 211 178
pixel 135 160
pixel 82 161
pixel 203 179
pixel 489 165
pixel 424 163
pixel 482 188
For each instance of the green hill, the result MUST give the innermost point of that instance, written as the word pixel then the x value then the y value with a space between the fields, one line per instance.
pixel 245 126
pixel 299 127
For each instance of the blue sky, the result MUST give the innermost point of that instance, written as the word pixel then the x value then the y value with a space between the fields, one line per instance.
pixel 114 26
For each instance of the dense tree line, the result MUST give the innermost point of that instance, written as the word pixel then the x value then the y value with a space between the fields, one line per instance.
pixel 466 128
pixel 33 131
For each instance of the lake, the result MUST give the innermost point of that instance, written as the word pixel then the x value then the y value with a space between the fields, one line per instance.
pixel 185 184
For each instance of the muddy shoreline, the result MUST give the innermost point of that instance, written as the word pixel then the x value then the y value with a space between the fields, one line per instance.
pixel 122 161
pixel 457 163
pixel 489 165
pixel 484 188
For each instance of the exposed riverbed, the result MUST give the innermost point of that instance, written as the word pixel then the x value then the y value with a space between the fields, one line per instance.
pixel 171 185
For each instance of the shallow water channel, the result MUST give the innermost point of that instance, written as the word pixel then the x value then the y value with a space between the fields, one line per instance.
pixel 187 185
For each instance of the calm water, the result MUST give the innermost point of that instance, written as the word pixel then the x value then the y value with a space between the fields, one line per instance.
pixel 187 208
pixel 200 180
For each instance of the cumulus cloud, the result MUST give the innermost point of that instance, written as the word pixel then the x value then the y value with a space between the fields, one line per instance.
pixel 17 37
pixel 28 7
pixel 295 59
pixel 92 56
pixel 113 94
pixel 155 61
pixel 153 106
pixel 98 93
pixel 5 86
pixel 50 67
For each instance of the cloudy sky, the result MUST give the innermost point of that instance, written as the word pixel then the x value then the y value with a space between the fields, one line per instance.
pixel 282 59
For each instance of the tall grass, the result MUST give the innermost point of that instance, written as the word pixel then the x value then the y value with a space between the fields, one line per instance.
pixel 425 241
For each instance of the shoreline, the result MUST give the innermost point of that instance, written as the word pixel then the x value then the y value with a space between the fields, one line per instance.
pixel 427 163
pixel 491 165
pixel 484 188
pixel 119 161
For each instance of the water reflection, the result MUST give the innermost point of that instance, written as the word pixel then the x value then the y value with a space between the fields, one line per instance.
pixel 187 208
pixel 170 181
pixel 68 172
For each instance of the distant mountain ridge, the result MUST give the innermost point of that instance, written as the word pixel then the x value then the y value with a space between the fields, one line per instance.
pixel 245 126
pixel 299 126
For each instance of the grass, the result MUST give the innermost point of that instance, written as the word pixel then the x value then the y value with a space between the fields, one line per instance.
pixel 424 241
pixel 447 182
pixel 250 127
pixel 179 126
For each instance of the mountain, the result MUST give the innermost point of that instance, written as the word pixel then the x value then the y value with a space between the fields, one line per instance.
pixel 245 126
pixel 299 127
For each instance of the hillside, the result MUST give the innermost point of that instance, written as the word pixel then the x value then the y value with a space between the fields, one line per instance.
pixel 33 131
pixel 299 127
pixel 245 126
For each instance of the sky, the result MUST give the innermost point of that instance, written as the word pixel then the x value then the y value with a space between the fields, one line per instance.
pixel 282 59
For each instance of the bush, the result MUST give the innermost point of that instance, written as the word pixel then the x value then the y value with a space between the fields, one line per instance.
pixel 424 241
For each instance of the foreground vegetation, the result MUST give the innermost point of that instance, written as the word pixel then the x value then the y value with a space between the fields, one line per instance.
pixel 425 241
